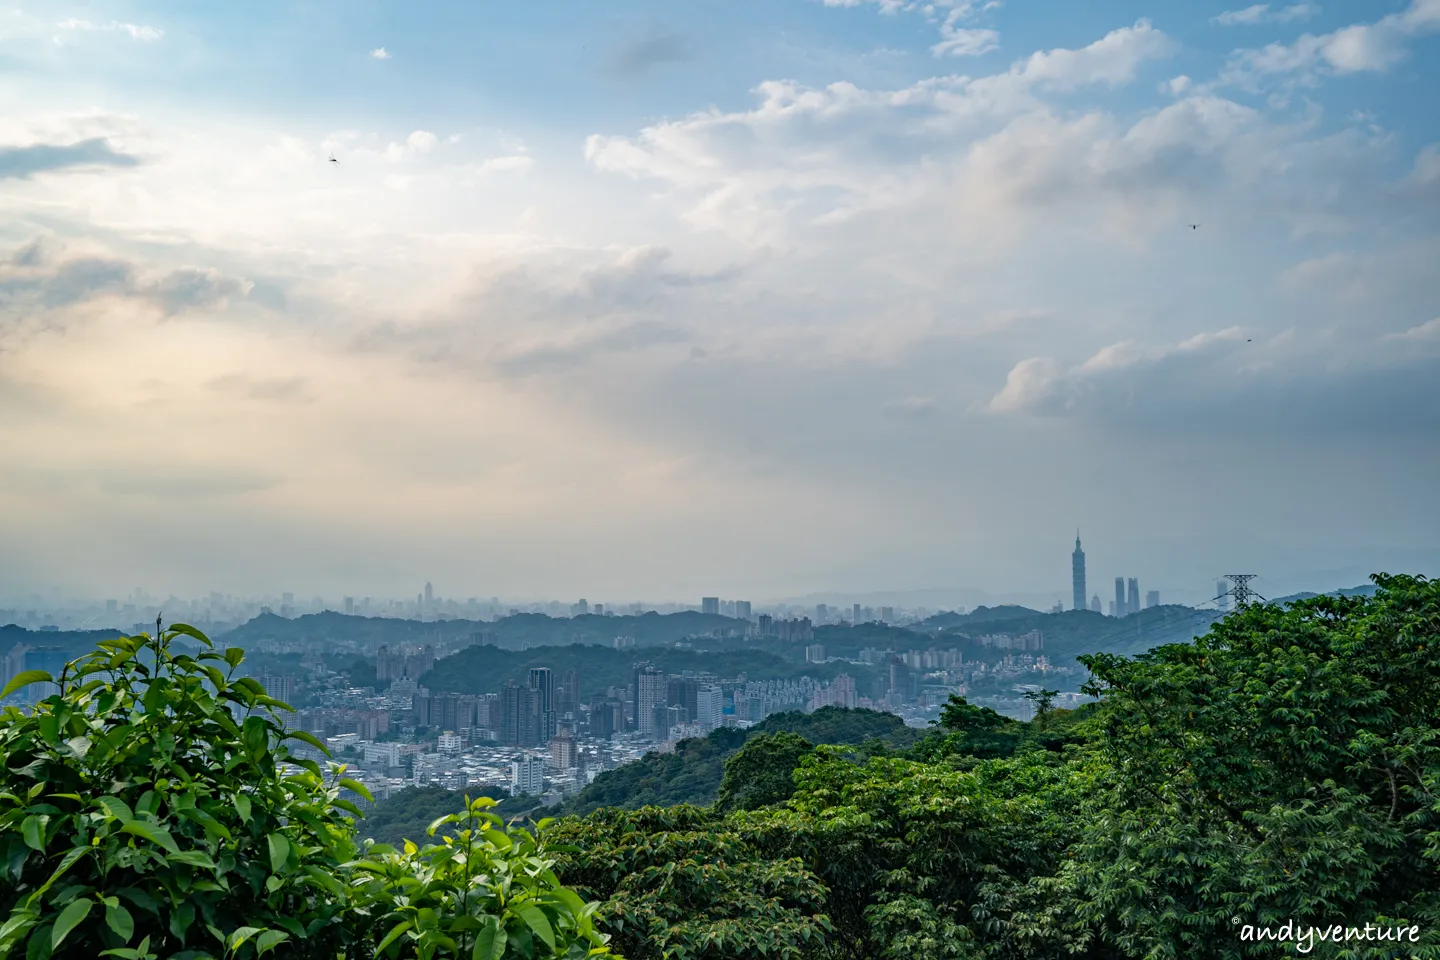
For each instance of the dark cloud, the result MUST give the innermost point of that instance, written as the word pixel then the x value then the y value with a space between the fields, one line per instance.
pixel 32 277
pixel 190 287
pixel 641 56
pixel 18 163
pixel 87 277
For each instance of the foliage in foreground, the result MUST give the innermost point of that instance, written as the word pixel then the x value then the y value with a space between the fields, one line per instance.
pixel 150 809
pixel 1286 767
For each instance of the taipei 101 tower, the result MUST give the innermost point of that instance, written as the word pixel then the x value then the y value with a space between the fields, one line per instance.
pixel 1077 573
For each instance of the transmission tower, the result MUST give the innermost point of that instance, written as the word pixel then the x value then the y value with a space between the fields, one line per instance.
pixel 1240 588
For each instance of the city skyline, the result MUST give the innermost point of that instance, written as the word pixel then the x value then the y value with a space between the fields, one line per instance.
pixel 763 299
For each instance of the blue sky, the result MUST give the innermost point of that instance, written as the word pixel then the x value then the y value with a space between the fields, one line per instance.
pixel 642 300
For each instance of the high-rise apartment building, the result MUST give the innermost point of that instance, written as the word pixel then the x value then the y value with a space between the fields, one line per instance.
pixel 710 605
pixel 1132 598
pixel 1119 596
pixel 520 720
pixel 1095 604
pixel 855 613
pixel 527 776
pixel 648 692
pixel 1222 595
pixel 710 705
pixel 1077 574
pixel 742 609
pixel 542 681
pixel 1152 599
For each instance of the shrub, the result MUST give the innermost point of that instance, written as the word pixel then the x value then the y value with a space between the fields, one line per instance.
pixel 150 808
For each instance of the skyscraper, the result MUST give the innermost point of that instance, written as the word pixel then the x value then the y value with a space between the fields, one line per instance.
pixel 542 681
pixel 710 605
pixel 1077 573
pixel 1132 601
pixel 1119 596
pixel 1095 603
pixel 649 690
pixel 429 595
pixel 1152 599
pixel 1222 595
pixel 742 609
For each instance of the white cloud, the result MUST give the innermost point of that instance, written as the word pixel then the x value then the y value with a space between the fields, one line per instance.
pixel 1358 48
pixel 1262 13
pixel 949 16
pixel 142 33
pixel 380 53
pixel 1042 386
pixel 1427 331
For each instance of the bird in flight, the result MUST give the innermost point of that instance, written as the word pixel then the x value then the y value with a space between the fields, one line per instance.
pixel 332 159
pixel 1194 226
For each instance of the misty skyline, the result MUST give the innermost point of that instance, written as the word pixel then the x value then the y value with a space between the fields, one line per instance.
pixel 757 299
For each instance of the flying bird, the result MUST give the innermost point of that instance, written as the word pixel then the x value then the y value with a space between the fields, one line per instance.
pixel 1194 226
pixel 332 159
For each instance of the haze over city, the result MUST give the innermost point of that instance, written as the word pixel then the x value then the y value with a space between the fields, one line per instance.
pixel 754 299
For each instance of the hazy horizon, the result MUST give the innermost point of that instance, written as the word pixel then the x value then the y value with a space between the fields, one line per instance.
pixel 758 299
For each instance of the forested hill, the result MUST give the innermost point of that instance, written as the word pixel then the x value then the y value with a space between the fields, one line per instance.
pixel 534 629
pixel 484 669
pixel 692 773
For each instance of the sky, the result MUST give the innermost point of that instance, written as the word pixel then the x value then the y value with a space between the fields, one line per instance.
pixel 753 298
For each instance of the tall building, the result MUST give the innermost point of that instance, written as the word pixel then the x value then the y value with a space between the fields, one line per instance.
pixel 710 605
pixel 1222 595
pixel 682 692
pixel 520 720
pixel 1132 600
pixel 429 595
pixel 742 609
pixel 542 681
pixel 649 692
pixel 822 613
pixel 527 776
pixel 710 706
pixel 1119 596
pixel 855 614
pixel 282 688
pixel 1095 604
pixel 1077 573
pixel 1152 599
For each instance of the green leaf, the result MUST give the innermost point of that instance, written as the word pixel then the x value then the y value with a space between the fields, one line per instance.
pixel 394 934
pixel 242 807
pixel 240 936
pixel 79 746
pixel 358 787
pixel 535 918
pixel 156 835
pixel 490 941
pixel 269 940
pixel 23 679
pixel 233 656
pixel 33 830
pixel 306 737
pixel 186 630
pixel 194 858
pixel 279 851
pixel 69 919
pixel 117 808
pixel 118 919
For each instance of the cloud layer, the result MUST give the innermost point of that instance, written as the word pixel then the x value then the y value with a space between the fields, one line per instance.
pixel 835 334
